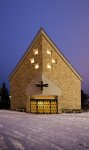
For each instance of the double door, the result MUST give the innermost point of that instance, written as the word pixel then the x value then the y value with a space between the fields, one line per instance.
pixel 44 106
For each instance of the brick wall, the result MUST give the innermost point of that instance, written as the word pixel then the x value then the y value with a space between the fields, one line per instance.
pixel 62 75
pixel 23 75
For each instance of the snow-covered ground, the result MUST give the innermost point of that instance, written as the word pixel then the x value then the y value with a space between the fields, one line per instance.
pixel 22 131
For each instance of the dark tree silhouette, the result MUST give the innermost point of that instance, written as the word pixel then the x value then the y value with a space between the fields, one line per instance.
pixel 84 100
pixel 5 101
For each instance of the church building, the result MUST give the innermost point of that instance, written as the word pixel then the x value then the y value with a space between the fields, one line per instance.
pixel 44 81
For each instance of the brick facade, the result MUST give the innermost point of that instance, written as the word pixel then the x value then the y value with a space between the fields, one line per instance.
pixel 61 77
pixel 25 72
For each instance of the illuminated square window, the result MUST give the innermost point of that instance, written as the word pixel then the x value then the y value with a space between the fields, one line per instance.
pixel 49 66
pixel 35 51
pixel 54 61
pixel 32 60
pixel 36 66
pixel 49 52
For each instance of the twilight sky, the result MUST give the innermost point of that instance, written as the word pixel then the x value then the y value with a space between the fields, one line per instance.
pixel 65 21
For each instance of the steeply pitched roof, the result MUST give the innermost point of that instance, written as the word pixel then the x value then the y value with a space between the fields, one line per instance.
pixel 41 31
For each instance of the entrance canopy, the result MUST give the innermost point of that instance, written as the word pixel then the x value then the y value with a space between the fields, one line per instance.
pixel 49 88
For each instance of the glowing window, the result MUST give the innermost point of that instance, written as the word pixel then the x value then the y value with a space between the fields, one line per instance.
pixel 36 66
pixel 49 66
pixel 35 51
pixel 54 61
pixel 32 60
pixel 49 52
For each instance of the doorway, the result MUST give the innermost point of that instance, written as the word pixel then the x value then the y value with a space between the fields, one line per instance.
pixel 44 106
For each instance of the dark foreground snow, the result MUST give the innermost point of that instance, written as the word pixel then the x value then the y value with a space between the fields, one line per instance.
pixel 22 131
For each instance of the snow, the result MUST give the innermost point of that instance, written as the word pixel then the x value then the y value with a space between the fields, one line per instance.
pixel 25 131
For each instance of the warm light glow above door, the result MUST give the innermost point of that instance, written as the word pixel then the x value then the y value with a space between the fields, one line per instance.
pixel 32 60
pixel 54 61
pixel 35 51
pixel 48 66
pixel 49 52
pixel 36 66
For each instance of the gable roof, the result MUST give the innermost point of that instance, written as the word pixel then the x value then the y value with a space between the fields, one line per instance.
pixel 42 32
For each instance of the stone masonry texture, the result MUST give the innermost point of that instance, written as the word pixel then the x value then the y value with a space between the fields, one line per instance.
pixel 63 77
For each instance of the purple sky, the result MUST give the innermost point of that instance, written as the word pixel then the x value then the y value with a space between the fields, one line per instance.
pixel 65 21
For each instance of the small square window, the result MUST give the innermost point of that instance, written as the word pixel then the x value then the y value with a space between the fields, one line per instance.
pixel 32 60
pixel 49 66
pixel 36 66
pixel 35 51
pixel 49 52
pixel 54 61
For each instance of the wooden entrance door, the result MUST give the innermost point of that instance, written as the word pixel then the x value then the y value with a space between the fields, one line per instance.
pixel 47 107
pixel 33 106
pixel 40 107
pixel 53 106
